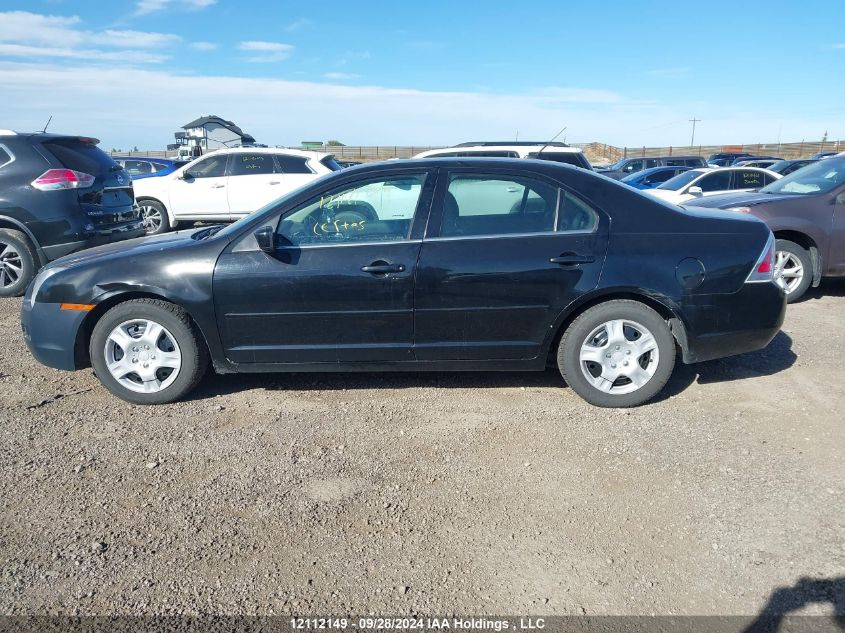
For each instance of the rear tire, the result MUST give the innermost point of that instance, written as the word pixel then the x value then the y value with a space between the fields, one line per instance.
pixel 793 269
pixel 156 220
pixel 148 352
pixel 17 263
pixel 617 354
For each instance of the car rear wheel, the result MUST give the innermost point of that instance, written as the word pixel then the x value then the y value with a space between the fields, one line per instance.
pixel 17 263
pixel 793 269
pixel 155 217
pixel 617 354
pixel 148 352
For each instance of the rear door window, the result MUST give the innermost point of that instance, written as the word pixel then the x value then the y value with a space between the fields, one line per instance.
pixel 747 179
pixel 251 164
pixel 659 176
pixel 137 167
pixel 497 205
pixel 80 156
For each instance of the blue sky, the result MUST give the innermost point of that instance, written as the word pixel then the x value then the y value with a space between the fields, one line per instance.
pixel 427 72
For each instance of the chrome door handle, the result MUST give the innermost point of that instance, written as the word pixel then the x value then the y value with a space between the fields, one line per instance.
pixel 572 259
pixel 217 186
pixel 274 182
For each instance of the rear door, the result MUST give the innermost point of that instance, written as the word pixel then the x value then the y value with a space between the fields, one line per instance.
pixel 748 179
pixel 254 181
pixel 496 271
pixel 201 192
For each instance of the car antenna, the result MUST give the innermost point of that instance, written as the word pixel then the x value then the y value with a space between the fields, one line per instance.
pixel 46 125
pixel 550 141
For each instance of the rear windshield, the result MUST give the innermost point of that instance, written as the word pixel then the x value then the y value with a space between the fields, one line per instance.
pixel 680 180
pixel 570 158
pixel 79 156
pixel 331 163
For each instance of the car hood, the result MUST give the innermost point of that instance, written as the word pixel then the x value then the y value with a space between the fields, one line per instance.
pixel 127 248
pixel 745 199
pixel 664 194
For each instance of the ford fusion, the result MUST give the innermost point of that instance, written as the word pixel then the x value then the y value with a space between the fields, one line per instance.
pixel 433 265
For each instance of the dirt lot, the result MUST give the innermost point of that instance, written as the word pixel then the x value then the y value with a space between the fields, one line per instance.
pixel 430 493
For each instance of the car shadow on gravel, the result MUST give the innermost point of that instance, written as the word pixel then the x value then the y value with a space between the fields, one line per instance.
pixel 776 357
pixel 827 288
pixel 806 591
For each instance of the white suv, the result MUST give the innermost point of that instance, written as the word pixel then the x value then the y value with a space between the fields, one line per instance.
pixel 558 152
pixel 226 185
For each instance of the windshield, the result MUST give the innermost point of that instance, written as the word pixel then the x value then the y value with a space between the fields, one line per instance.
pixel 233 228
pixel 681 180
pixel 618 164
pixel 818 177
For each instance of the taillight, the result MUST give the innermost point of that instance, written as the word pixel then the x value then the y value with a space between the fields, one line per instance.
pixel 54 179
pixel 764 268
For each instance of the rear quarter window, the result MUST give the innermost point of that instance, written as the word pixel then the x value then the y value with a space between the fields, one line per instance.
pixel 84 157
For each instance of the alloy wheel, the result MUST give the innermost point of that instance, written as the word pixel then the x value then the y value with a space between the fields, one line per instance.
pixel 789 272
pixel 619 356
pixel 151 217
pixel 143 356
pixel 11 266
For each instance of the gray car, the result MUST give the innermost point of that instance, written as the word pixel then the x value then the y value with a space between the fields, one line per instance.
pixel 806 212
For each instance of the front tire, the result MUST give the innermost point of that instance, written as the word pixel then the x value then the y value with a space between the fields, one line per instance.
pixel 156 220
pixel 17 263
pixel 793 269
pixel 617 354
pixel 148 352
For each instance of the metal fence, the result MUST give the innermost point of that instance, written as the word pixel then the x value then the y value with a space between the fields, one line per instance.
pixel 596 152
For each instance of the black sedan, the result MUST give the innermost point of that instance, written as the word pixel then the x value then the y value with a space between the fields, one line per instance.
pixel 433 265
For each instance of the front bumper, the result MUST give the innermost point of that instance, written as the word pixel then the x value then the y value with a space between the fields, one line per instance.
pixel 726 325
pixel 50 333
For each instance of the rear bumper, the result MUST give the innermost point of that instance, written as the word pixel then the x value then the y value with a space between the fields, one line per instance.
pixel 105 234
pixel 50 333
pixel 726 325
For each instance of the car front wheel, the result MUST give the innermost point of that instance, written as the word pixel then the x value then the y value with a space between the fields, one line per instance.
pixel 148 352
pixel 617 354
pixel 155 217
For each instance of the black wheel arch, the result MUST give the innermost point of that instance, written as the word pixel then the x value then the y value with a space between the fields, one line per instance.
pixel 86 329
pixel 16 225
pixel 662 305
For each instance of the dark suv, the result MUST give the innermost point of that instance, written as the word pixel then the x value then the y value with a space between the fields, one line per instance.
pixel 58 194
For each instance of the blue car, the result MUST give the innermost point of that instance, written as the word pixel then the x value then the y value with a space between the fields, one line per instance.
pixel 139 167
pixel 652 177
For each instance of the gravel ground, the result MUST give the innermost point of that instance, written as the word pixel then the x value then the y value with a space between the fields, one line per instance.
pixel 493 493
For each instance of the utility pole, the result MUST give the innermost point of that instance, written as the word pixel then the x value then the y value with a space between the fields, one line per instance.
pixel 693 120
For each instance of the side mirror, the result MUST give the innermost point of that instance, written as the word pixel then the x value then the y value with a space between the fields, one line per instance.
pixel 185 175
pixel 266 238
pixel 695 191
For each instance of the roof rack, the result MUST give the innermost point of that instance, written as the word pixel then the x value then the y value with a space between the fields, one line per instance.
pixel 511 143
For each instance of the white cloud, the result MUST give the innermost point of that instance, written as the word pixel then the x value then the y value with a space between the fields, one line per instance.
pixel 203 46
pixel 143 7
pixel 23 50
pixel 268 51
pixel 35 28
pixel 341 76
pixel 135 39
pixel 24 34
pixel 298 24
pixel 98 100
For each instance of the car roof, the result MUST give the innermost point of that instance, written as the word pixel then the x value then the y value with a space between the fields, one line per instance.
pixel 540 147
pixel 516 164
pixel 152 159
pixel 270 150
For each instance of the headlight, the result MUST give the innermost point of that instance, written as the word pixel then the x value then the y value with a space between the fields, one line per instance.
pixel 39 280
